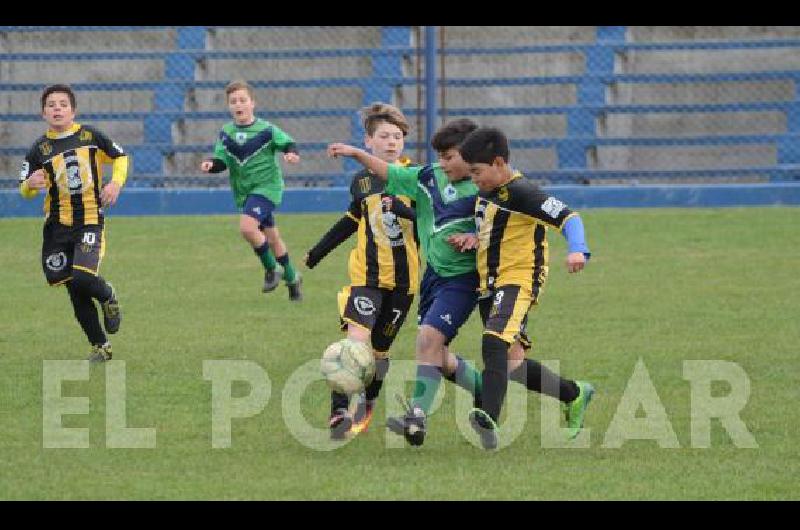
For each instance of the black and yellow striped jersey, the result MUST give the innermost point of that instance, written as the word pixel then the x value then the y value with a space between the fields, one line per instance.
pixel 386 253
pixel 73 165
pixel 512 222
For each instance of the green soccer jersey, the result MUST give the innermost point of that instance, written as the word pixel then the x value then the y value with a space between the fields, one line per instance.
pixel 443 208
pixel 249 152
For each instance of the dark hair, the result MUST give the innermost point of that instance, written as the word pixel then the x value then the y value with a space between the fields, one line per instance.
pixel 377 113
pixel 452 134
pixel 483 145
pixel 59 88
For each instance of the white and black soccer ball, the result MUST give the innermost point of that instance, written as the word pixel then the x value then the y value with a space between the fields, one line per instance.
pixel 348 366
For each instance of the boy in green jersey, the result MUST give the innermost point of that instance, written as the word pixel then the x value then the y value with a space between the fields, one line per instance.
pixel 246 147
pixel 445 203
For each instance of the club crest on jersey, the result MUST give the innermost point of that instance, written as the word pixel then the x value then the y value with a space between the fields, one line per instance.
pixel 56 262
pixel 449 193
pixel 364 305
pixel 241 137
pixel 86 136
pixel 46 148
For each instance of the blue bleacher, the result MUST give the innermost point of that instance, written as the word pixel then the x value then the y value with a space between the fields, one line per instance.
pixel 575 153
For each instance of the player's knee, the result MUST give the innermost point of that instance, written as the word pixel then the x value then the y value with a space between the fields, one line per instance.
pixel 82 282
pixel 273 236
pixel 516 352
pixel 430 342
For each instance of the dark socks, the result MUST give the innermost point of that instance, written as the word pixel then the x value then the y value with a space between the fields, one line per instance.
pixel 86 314
pixel 374 388
pixel 539 378
pixel 495 375
pixel 467 378
pixel 289 273
pixel 265 255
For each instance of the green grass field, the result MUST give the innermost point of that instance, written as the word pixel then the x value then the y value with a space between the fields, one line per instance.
pixel 664 285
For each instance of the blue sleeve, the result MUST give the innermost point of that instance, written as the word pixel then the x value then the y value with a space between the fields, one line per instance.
pixel 576 240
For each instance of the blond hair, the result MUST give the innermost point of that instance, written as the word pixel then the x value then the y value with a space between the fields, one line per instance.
pixel 376 113
pixel 239 84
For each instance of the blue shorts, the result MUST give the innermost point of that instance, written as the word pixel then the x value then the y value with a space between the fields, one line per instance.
pixel 259 208
pixel 445 303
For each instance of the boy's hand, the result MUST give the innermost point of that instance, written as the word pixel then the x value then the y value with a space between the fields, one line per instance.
pixel 575 261
pixel 109 194
pixel 206 165
pixel 292 158
pixel 37 180
pixel 334 150
pixel 464 241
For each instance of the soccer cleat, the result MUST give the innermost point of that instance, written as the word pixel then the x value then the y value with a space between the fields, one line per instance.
pixel 363 415
pixel 271 280
pixel 340 423
pixel 484 425
pixel 112 316
pixel 412 425
pixel 295 294
pixel 100 353
pixel 575 410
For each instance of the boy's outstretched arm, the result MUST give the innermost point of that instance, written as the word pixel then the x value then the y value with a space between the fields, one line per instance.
pixel 373 163
pixel 335 236
pixel 576 243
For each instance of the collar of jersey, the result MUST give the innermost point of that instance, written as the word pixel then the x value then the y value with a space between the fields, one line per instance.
pixel 69 132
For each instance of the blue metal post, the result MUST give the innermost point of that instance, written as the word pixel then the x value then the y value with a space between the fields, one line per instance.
pixel 431 111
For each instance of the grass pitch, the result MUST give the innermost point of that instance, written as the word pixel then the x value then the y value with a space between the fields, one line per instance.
pixel 664 286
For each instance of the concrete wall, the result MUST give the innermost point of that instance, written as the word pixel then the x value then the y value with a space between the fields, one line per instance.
pixel 24 133
pixel 320 129
pixel 280 98
pixel 81 71
pixel 89 41
pixel 89 101
pixel 293 37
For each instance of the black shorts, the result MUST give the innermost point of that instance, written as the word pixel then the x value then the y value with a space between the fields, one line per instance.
pixel 382 311
pixel 504 313
pixel 65 248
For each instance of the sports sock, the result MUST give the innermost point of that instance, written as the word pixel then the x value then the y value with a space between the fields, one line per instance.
pixel 265 255
pixel 288 269
pixel 427 383
pixel 537 377
pixel 374 388
pixel 467 378
pixel 495 375
pixel 86 314
pixel 339 401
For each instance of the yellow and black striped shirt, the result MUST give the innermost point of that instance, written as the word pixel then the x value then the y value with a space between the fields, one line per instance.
pixel 73 165
pixel 512 222
pixel 386 253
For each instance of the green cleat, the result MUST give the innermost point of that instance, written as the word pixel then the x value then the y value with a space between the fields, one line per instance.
pixel 575 411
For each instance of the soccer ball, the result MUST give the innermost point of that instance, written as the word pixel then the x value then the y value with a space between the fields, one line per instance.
pixel 348 366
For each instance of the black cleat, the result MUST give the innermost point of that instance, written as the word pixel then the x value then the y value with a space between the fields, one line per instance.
pixel 295 294
pixel 484 425
pixel 271 280
pixel 112 316
pixel 340 423
pixel 100 353
pixel 411 425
